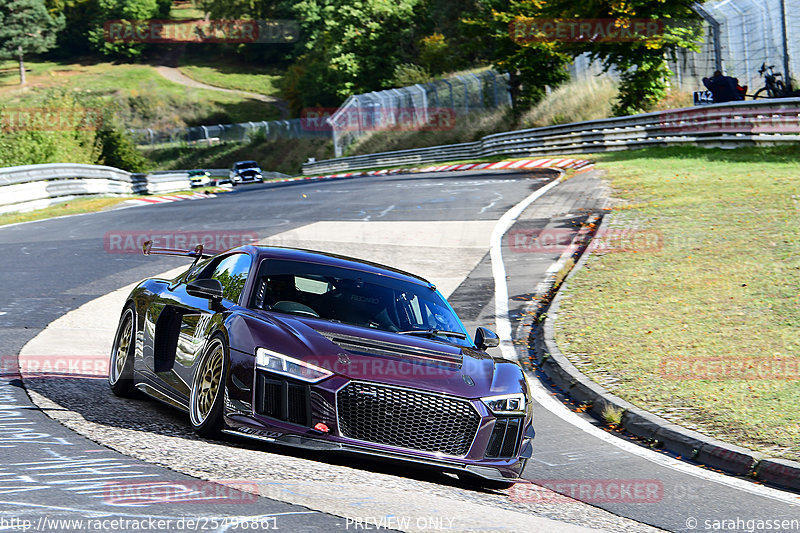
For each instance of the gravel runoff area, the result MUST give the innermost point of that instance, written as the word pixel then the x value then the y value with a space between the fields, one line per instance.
pixel 151 432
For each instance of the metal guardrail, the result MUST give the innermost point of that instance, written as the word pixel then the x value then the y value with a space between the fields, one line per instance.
pixel 726 125
pixel 35 186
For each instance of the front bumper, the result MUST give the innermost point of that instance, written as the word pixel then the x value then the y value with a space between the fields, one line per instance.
pixel 506 472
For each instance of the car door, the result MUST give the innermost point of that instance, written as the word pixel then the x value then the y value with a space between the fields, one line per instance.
pixel 186 320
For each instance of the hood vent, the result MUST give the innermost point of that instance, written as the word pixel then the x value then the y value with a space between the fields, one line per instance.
pixel 364 346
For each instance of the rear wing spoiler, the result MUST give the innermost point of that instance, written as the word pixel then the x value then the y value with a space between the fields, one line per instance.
pixel 196 254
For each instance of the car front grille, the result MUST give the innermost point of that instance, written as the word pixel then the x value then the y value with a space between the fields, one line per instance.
pixel 407 418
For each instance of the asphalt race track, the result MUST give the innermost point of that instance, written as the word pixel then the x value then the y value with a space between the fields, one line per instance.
pixel 439 226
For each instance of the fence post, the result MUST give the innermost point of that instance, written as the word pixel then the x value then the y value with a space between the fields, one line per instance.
pixel 480 89
pixel 424 105
pixel 452 102
pixel 715 37
pixel 466 94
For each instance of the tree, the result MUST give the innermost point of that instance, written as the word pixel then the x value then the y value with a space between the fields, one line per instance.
pixel 117 149
pixel 352 46
pixel 641 57
pixel 133 12
pixel 532 65
pixel 27 28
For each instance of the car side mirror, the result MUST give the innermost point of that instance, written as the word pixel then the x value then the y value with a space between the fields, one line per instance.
pixel 486 338
pixel 209 289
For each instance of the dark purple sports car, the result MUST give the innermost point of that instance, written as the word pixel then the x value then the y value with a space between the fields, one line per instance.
pixel 328 353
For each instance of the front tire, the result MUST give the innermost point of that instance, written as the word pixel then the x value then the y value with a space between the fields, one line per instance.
pixel 208 390
pixel 761 93
pixel 120 367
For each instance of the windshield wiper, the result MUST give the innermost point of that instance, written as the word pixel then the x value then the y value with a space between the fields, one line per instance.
pixel 434 333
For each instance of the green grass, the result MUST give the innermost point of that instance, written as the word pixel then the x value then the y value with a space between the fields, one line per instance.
pixel 725 285
pixel 89 204
pixel 186 10
pixel 584 99
pixel 141 96
pixel 72 207
pixel 222 72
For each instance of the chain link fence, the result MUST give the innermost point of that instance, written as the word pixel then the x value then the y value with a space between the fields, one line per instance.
pixel 738 37
pixel 239 132
pixel 417 106
pixel 421 106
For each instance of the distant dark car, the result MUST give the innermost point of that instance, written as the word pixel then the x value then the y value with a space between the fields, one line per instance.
pixel 327 353
pixel 245 172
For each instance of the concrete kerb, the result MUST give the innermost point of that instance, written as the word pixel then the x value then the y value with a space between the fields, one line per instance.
pixel 659 432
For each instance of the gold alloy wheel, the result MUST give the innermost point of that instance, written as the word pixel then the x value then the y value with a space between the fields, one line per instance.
pixel 207 384
pixel 122 346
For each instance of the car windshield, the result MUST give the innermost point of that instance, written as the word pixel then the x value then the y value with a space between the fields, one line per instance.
pixel 356 298
pixel 246 164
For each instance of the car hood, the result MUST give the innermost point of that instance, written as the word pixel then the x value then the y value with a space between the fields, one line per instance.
pixel 371 355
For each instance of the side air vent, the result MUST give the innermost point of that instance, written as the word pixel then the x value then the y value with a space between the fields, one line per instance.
pixel 283 399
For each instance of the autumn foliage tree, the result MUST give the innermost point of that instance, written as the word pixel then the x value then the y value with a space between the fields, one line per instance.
pixel 641 57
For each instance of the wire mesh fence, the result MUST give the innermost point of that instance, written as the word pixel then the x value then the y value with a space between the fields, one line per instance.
pixel 421 106
pixel 738 37
pixel 427 106
pixel 239 132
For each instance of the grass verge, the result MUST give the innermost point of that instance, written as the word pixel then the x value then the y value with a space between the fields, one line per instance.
pixel 138 93
pixel 89 204
pixel 703 328
pixel 222 72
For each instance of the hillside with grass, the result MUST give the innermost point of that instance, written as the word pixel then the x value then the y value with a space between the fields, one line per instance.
pixel 314 55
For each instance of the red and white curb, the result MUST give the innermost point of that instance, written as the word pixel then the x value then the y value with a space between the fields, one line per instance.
pixel 167 198
pixel 574 164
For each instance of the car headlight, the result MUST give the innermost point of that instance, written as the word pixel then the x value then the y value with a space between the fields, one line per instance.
pixel 506 404
pixel 289 366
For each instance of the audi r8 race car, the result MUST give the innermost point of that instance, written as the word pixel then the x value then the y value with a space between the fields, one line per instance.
pixel 324 352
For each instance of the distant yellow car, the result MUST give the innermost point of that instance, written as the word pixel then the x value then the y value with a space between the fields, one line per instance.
pixel 200 178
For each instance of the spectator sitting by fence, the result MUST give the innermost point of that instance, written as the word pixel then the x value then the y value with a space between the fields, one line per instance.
pixel 724 88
